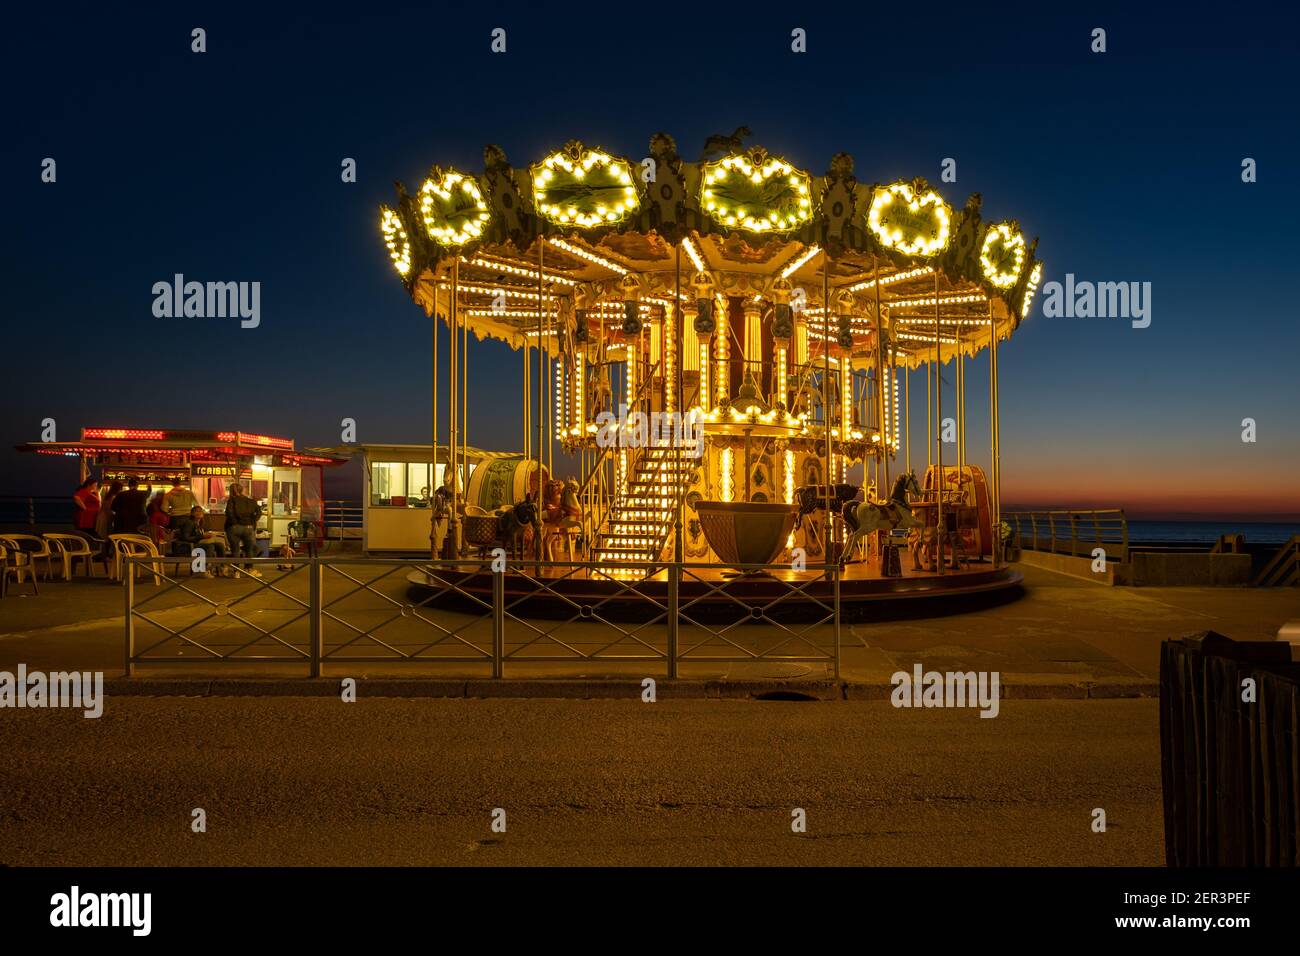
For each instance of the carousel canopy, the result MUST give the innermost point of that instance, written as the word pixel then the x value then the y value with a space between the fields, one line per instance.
pixel 585 241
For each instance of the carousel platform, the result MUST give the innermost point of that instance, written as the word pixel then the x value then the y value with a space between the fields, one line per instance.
pixel 550 590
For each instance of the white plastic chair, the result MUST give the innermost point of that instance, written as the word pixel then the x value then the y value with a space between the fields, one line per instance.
pixel 33 547
pixel 135 545
pixel 70 547
pixel 14 563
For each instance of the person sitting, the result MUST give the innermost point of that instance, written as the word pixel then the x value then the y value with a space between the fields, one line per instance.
pixel 188 533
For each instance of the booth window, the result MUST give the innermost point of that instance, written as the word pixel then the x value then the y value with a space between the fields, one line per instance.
pixel 387 481
pixel 284 488
pixel 418 485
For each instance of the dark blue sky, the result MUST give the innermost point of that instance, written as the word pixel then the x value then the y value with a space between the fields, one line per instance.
pixel 225 166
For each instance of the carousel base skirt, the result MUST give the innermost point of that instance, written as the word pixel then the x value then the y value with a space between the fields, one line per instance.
pixel 562 591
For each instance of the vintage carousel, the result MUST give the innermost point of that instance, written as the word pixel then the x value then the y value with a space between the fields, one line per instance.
pixel 721 354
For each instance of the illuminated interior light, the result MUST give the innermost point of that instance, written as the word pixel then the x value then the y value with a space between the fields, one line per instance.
pixel 722 379
pixel 582 253
pixel 952 299
pixel 500 265
pixel 891 279
pixel 704 373
pixel 800 261
pixel 691 253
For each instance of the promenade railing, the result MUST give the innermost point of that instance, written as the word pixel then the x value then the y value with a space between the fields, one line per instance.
pixel 1071 532
pixel 501 613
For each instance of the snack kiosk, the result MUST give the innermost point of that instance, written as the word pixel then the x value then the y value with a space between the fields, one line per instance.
pixel 287 483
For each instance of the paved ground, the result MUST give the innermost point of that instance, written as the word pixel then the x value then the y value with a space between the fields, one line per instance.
pixel 314 781
pixel 1061 630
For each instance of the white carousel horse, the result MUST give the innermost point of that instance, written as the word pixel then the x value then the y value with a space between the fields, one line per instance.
pixel 868 517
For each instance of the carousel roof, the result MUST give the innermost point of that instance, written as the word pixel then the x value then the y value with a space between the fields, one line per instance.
pixel 584 233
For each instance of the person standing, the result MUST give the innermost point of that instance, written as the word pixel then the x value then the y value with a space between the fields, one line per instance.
pixel 242 514
pixel 85 501
pixel 158 519
pixel 104 520
pixel 180 501
pixel 129 516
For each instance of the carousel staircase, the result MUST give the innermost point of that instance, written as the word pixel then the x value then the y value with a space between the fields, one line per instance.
pixel 641 519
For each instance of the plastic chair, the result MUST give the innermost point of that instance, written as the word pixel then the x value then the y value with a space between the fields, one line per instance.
pixel 33 547
pixel 14 563
pixel 70 547
pixel 135 545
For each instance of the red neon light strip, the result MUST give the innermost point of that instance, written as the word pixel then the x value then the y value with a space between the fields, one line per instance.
pixel 125 434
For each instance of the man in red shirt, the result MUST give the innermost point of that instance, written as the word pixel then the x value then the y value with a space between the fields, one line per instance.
pixel 86 503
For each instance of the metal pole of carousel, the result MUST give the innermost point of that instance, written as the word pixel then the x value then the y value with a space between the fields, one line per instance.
pixel 674 574
pixel 463 367
pixel 907 412
pixel 992 436
pixel 433 454
pixel 826 389
pixel 541 375
pixel 997 442
pixel 961 421
pixel 940 483
pixel 882 467
pixel 994 521
pixel 451 547
pixel 527 391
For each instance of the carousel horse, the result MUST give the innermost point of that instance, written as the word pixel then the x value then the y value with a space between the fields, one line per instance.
pixel 561 512
pixel 811 497
pixel 516 527
pixel 438 515
pixel 924 541
pixel 868 517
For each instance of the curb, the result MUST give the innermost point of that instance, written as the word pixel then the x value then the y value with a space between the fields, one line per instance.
pixel 595 689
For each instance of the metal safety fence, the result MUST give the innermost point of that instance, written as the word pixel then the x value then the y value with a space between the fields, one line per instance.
pixel 1075 533
pixel 330 610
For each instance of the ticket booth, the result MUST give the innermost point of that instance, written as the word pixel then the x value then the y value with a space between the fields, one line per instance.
pixel 398 498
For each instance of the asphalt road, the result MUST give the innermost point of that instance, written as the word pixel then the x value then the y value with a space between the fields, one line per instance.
pixel 394 781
